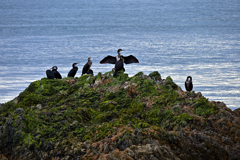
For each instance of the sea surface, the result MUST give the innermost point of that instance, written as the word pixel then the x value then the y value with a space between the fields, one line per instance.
pixel 177 38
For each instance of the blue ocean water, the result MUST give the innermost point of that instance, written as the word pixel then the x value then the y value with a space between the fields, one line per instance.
pixel 177 38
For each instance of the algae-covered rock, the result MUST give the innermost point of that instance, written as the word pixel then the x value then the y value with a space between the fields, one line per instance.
pixel 155 76
pixel 122 117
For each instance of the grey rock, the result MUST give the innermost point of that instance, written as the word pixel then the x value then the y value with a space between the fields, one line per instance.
pixel 19 111
pixel 39 106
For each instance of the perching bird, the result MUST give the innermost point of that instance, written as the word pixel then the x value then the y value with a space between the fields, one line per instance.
pixel 50 74
pixel 188 83
pixel 90 72
pixel 113 60
pixel 73 71
pixel 87 66
pixel 57 75
pixel 119 66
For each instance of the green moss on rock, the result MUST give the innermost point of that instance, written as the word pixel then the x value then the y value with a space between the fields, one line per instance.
pixel 155 76
pixel 203 108
pixel 30 99
pixel 170 82
pixel 182 119
pixel 139 74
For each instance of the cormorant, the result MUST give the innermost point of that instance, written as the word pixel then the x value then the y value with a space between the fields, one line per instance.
pixel 73 71
pixel 57 75
pixel 113 60
pixel 50 74
pixel 188 83
pixel 90 72
pixel 87 67
pixel 119 66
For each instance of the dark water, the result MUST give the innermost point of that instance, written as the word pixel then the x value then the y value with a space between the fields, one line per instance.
pixel 175 37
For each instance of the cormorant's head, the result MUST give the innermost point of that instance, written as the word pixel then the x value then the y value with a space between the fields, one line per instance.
pixel 189 77
pixel 119 50
pixel 89 58
pixel 54 67
pixel 74 64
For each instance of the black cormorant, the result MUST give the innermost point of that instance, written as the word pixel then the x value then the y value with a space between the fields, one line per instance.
pixel 188 83
pixel 87 66
pixel 113 60
pixel 90 72
pixel 119 66
pixel 57 75
pixel 73 71
pixel 50 74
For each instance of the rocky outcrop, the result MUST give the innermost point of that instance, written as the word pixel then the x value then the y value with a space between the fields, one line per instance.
pixel 102 117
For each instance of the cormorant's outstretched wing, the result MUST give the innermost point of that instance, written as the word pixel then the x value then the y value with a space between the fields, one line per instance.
pixel 130 59
pixel 108 59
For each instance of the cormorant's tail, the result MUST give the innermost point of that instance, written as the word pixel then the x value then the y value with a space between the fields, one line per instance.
pixel 114 74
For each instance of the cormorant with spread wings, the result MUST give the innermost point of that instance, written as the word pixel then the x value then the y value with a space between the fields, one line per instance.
pixel 113 60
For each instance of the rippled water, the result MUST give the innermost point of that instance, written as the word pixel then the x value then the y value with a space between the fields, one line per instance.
pixel 175 37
